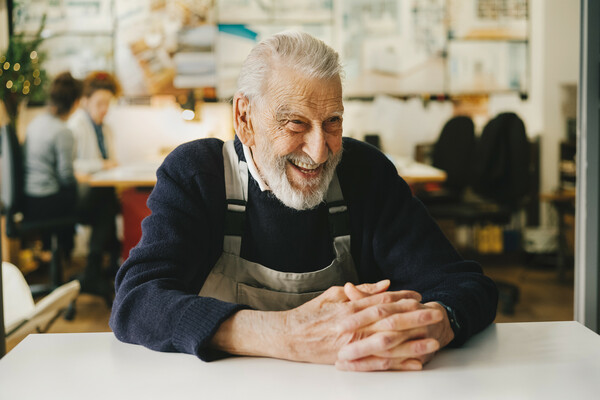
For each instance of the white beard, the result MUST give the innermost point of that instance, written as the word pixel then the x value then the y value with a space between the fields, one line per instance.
pixel 274 173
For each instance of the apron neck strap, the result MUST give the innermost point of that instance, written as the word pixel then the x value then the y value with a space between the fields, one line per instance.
pixel 339 221
pixel 236 192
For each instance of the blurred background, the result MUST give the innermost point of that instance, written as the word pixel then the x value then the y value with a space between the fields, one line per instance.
pixel 491 83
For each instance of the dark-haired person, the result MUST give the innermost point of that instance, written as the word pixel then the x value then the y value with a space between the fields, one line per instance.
pixel 50 185
pixel 94 151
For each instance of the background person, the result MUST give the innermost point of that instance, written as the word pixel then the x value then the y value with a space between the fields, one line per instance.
pixel 265 245
pixel 50 184
pixel 94 151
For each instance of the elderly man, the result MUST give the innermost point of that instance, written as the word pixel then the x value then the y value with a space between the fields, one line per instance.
pixel 293 242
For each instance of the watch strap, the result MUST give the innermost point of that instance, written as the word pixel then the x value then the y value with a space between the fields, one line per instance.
pixel 454 322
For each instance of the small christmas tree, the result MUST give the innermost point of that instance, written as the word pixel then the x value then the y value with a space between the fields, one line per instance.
pixel 21 74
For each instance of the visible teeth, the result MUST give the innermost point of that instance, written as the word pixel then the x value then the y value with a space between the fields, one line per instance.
pixel 305 166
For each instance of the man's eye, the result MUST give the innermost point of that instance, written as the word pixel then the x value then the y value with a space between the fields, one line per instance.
pixel 296 125
pixel 333 124
pixel 334 121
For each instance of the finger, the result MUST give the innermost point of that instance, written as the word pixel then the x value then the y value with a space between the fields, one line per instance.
pixel 385 297
pixel 374 344
pixel 372 288
pixel 376 313
pixel 411 349
pixel 353 292
pixel 407 320
pixel 379 364
pixel 390 345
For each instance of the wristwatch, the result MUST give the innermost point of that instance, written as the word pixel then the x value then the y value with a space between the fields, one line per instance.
pixel 454 323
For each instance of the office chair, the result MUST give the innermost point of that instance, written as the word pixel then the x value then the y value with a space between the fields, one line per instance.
pixel 503 177
pixel 501 161
pixel 11 201
pixel 453 153
pixel 21 314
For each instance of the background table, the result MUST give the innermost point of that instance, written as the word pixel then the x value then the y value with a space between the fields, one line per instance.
pixel 127 175
pixel 134 182
pixel 414 172
pixel 548 360
pixel 144 173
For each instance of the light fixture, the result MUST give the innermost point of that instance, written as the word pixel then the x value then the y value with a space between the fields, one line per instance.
pixel 189 107
pixel 188 115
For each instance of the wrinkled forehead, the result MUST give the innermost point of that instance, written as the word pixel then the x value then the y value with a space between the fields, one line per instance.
pixel 289 91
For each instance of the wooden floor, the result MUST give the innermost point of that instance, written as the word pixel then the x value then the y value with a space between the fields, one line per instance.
pixel 542 298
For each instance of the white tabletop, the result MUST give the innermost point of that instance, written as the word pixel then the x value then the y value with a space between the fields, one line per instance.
pixel 547 360
pixel 141 173
pixel 414 172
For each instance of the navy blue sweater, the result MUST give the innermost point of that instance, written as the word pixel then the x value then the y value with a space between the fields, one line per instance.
pixel 392 236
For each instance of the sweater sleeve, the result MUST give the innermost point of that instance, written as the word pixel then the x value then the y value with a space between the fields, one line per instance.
pixel 408 247
pixel 64 158
pixel 157 303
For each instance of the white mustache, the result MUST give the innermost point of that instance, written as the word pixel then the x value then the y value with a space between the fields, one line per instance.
pixel 306 159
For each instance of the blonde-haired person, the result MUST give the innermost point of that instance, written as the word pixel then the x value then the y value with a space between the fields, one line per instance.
pixel 94 151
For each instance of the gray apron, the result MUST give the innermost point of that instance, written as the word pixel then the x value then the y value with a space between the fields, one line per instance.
pixel 236 280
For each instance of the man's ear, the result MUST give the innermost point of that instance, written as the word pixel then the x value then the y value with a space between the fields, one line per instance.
pixel 241 119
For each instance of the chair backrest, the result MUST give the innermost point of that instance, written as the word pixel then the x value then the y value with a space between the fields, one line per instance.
pixel 453 152
pixel 22 315
pixel 12 177
pixel 18 301
pixel 501 161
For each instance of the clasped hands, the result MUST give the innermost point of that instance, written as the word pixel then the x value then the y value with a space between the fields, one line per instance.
pixel 366 328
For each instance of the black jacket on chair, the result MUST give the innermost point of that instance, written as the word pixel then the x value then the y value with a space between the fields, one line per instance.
pixel 501 162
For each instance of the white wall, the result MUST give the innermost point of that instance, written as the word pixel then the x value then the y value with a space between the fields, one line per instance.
pixel 400 124
pixel 144 133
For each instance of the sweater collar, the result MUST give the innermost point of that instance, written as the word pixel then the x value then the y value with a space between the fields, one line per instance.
pixel 245 154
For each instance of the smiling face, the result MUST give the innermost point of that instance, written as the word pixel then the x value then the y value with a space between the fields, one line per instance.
pixel 295 134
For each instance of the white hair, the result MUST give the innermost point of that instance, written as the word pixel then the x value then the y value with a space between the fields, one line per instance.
pixel 297 50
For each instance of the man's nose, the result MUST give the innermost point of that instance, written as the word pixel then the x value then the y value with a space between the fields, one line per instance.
pixel 315 145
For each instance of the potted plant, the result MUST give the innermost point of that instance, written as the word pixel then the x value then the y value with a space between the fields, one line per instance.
pixel 21 74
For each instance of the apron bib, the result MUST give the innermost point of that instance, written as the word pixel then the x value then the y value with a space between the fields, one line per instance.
pixel 236 280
